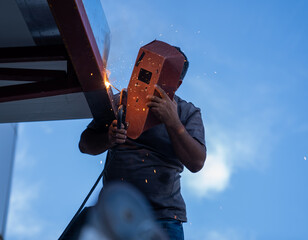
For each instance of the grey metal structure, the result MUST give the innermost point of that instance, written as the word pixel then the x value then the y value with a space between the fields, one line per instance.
pixel 8 135
pixel 40 21
pixel 41 78
pixel 26 24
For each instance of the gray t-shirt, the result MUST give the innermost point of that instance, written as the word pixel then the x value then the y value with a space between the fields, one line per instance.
pixel 151 165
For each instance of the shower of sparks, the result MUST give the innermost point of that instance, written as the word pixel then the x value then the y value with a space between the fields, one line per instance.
pixel 108 84
pixel 106 81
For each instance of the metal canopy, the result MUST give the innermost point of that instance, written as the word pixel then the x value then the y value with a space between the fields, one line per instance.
pixel 40 77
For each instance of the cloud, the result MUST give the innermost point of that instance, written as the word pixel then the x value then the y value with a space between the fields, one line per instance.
pixel 239 133
pixel 229 149
pixel 214 177
pixel 230 234
pixel 22 222
pixel 46 128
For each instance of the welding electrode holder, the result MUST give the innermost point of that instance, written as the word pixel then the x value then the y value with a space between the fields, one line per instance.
pixel 122 109
pixel 120 116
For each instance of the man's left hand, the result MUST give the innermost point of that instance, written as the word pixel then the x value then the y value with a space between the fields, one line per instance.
pixel 163 107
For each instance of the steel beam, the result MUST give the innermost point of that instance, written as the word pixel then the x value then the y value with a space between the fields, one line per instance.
pixel 33 54
pixel 32 75
pixel 51 87
pixel 78 37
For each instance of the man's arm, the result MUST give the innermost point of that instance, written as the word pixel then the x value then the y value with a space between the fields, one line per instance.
pixel 95 142
pixel 190 152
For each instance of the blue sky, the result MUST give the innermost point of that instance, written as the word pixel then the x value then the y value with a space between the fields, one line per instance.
pixel 248 74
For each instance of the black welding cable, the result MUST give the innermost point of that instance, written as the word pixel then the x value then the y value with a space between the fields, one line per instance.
pixel 81 207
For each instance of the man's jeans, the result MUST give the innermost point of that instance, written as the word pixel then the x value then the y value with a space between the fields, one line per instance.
pixel 173 228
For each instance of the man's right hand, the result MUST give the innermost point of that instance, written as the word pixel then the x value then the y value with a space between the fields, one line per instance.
pixel 115 135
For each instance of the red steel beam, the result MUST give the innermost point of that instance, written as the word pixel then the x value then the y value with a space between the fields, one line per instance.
pixel 47 88
pixel 75 29
pixel 33 54
pixel 32 75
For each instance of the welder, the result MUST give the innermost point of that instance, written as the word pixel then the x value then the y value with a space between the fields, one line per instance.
pixel 154 161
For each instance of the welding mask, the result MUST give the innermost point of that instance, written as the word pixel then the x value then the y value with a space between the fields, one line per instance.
pixel 157 63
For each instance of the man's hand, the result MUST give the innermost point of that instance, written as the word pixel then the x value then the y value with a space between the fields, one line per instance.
pixel 190 152
pixel 163 107
pixel 115 135
pixel 95 142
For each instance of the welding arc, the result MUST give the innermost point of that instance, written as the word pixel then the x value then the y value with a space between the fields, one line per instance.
pixel 114 87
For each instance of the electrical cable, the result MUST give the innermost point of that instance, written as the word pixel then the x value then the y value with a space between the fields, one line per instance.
pixel 81 206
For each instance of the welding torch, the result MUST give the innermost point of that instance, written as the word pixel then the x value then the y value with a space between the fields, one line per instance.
pixel 121 115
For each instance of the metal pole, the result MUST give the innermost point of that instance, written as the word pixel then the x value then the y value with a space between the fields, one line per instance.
pixel 7 149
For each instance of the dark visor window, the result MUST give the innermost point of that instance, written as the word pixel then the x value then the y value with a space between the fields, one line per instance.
pixel 144 76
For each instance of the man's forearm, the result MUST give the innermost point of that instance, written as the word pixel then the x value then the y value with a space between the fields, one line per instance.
pixel 94 143
pixel 190 152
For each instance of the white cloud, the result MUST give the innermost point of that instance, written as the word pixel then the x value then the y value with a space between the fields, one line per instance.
pixel 22 222
pixel 46 128
pixel 237 137
pixel 229 234
pixel 214 177
pixel 228 151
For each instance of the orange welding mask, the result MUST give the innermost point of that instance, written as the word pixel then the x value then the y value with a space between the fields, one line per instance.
pixel 157 63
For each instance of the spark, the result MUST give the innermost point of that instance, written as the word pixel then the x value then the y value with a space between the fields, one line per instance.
pixel 305 158
pixel 146 180
pixel 101 162
pixel 106 75
pixel 154 171
pixel 108 84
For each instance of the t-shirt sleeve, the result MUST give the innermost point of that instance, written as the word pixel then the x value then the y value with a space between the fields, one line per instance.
pixel 98 127
pixel 102 126
pixel 193 123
